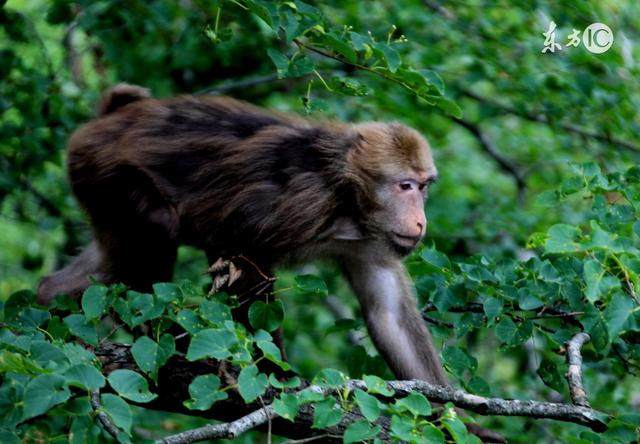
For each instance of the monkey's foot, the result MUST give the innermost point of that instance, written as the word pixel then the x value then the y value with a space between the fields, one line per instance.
pixel 224 273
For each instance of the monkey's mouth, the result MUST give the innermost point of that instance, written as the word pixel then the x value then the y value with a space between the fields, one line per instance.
pixel 403 244
pixel 406 241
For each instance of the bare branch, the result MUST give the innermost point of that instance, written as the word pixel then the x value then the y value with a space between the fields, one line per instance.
pixel 104 419
pixel 227 430
pixel 574 374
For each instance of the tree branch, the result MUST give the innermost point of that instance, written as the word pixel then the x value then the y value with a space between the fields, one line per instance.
pixel 574 374
pixel 175 377
pixel 104 419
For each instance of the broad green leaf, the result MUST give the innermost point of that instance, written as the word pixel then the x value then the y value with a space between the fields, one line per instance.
pixel 310 284
pixel 85 376
pixel 369 406
pixel 131 385
pixel 251 384
pixel 47 355
pixel 149 355
pixel 204 391
pixel 329 378
pixel 42 393
pixel 618 310
pixel 215 312
pixel 457 360
pixel 80 327
pixel 377 385
pixel 167 292
pixel 326 413
pixel 289 383
pixel 286 406
pixel 118 410
pixel 435 258
pixel 492 307
pixel 562 238
pixel 551 376
pixel 211 343
pixel 266 316
pixel 94 301
pixel 415 403
pixel 360 431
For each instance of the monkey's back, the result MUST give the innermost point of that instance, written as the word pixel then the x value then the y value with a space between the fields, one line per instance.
pixel 225 171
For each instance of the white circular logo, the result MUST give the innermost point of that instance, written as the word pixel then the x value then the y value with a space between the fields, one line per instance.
pixel 597 38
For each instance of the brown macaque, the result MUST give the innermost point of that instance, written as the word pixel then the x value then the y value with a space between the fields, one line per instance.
pixel 235 180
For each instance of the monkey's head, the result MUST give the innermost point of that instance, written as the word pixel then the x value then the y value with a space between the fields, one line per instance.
pixel 392 167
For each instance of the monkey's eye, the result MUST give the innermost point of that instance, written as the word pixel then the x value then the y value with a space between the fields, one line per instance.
pixel 405 186
pixel 422 186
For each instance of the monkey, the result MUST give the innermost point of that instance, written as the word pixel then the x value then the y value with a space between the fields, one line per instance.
pixel 235 180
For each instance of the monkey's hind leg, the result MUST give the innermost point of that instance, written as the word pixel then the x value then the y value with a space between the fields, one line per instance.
pixel 74 278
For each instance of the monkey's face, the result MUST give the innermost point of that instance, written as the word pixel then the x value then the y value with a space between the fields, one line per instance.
pixel 400 160
pixel 400 212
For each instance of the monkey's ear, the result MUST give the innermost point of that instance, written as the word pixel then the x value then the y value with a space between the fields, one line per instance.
pixel 345 228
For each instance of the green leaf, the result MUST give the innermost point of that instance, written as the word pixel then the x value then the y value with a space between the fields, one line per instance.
pixel 456 428
pixel 369 406
pixel 266 316
pixel 377 385
pixel 415 403
pixel 390 56
pixel 435 258
pixel 511 334
pixel 593 274
pixel 272 353
pixel 281 61
pixel 94 301
pixel 562 238
pixel 215 312
pixel 359 431
pixel 80 327
pixel 457 360
pixel 204 391
pixel 339 46
pixel 492 307
pixel 167 292
pixel 329 378
pixel 251 384
pixel 149 355
pixel 479 386
pixel 47 355
pixel 326 413
pixel 618 310
pixel 211 343
pixel 310 284
pixel 430 434
pixel 118 410
pixel 550 375
pixel 42 393
pixel 85 376
pixel 289 383
pixel 402 427
pixel 131 385
pixel 190 321
pixel 286 406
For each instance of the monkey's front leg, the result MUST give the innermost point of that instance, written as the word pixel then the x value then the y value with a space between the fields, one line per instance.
pixel 394 322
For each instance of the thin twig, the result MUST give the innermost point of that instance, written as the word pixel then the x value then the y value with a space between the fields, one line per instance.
pixel 104 419
pixel 574 374
pixel 310 439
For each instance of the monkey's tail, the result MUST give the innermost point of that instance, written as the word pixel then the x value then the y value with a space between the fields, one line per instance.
pixel 120 95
